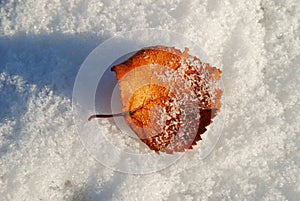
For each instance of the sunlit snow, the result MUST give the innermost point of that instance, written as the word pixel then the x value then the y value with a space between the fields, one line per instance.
pixel 255 43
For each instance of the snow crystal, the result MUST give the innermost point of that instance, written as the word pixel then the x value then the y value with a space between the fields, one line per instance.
pixel 255 43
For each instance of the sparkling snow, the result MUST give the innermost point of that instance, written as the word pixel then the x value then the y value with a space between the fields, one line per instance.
pixel 255 43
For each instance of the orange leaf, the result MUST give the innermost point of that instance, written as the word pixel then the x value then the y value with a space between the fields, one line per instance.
pixel 169 97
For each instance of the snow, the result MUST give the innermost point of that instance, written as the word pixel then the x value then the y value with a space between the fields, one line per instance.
pixel 255 43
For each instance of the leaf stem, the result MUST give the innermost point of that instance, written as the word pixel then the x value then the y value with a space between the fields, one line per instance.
pixel 101 116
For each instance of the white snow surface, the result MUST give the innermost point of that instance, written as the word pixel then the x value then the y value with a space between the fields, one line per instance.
pixel 255 43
